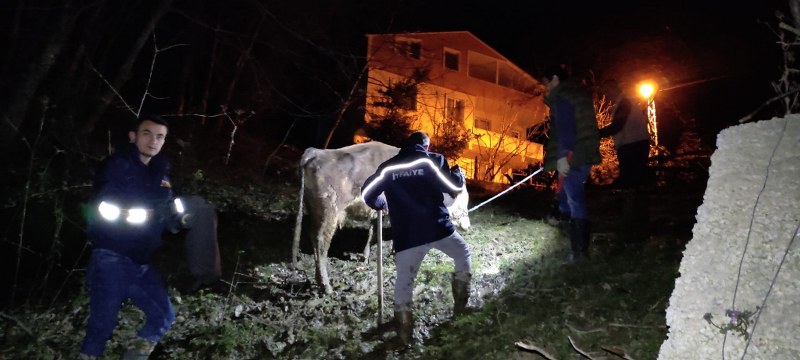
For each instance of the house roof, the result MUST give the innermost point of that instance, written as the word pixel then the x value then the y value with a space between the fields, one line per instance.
pixel 462 34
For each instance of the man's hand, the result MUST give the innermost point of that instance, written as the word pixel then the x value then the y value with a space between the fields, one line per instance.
pixel 563 166
pixel 457 169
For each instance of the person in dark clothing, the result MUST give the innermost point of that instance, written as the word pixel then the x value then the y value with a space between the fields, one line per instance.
pixel 134 205
pixel 628 128
pixel 412 184
pixel 572 148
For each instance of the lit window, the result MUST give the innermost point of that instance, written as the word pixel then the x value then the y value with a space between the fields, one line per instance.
pixel 482 124
pixel 455 110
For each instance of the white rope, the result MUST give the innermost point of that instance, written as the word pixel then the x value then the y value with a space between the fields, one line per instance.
pixel 509 188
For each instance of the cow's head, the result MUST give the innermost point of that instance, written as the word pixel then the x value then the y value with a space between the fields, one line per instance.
pixel 459 210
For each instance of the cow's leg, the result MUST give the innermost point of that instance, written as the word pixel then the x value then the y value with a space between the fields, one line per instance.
pixel 321 245
pixel 366 247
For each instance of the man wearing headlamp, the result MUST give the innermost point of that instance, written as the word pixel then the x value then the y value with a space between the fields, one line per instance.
pixel 132 198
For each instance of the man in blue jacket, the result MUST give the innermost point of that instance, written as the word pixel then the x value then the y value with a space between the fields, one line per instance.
pixel 130 186
pixel 412 184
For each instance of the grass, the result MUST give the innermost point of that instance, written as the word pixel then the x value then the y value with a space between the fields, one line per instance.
pixel 525 291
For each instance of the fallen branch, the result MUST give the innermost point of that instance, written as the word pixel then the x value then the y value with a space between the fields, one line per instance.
pixel 579 351
pixel 637 326
pixel 573 329
pixel 534 349
pixel 617 352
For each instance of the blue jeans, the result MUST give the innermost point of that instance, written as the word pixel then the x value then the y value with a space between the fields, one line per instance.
pixel 572 197
pixel 113 278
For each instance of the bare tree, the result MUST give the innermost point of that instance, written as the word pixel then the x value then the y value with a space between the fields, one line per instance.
pixel 499 146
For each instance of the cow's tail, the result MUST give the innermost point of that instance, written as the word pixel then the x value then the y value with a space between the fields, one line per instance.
pixel 298 225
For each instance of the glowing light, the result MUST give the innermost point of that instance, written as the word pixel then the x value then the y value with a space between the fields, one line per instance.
pixel 137 216
pixel 414 163
pixel 108 211
pixel 647 90
pixel 178 205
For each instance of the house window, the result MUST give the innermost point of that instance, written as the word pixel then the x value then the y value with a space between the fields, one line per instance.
pixel 409 47
pixel 451 59
pixel 408 101
pixel 482 123
pixel 515 134
pixel 455 110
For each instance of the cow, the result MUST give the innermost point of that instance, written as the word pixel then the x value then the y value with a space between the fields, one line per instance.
pixel 330 191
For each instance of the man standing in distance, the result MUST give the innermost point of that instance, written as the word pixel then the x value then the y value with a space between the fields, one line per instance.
pixel 572 148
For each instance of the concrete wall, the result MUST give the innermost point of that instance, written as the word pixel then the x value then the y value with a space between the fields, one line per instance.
pixel 744 252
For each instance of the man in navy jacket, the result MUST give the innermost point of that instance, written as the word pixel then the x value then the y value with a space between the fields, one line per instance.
pixel 130 186
pixel 412 184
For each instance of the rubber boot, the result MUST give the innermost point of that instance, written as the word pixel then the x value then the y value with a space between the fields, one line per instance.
pixel 139 349
pixel 579 236
pixel 564 225
pixel 460 295
pixel 404 322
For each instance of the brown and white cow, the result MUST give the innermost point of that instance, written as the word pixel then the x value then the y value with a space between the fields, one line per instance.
pixel 330 191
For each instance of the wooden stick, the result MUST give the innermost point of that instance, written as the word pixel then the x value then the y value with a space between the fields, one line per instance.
pixel 380 267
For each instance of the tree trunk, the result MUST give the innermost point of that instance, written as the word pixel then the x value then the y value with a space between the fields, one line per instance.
pixel 17 106
pixel 345 105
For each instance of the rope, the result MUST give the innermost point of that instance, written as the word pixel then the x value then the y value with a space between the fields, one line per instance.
pixel 507 190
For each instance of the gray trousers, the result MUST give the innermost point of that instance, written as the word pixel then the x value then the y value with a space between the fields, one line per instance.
pixel 408 262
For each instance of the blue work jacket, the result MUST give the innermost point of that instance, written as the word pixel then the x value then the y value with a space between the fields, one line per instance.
pixel 123 180
pixel 414 196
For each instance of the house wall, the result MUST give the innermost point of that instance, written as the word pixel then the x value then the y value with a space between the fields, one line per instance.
pixel 506 109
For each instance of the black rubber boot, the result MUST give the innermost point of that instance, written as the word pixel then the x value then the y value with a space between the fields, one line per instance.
pixel 460 295
pixel 579 238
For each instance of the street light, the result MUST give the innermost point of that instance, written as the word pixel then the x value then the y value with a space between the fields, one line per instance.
pixel 648 91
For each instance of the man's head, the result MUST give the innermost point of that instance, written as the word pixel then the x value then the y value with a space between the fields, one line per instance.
pixel 610 89
pixel 149 136
pixel 554 75
pixel 419 138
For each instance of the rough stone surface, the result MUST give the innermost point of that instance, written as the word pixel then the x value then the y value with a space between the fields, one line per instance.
pixel 744 253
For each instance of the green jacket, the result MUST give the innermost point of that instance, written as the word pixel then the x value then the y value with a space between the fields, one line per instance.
pixel 571 108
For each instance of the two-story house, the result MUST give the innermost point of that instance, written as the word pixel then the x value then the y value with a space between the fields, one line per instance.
pixel 466 81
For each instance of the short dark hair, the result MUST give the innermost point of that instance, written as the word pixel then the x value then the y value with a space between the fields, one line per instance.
pixel 559 70
pixel 419 138
pixel 149 117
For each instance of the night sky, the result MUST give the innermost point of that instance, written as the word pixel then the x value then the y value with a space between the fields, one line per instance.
pixel 713 60
pixel 292 62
